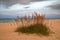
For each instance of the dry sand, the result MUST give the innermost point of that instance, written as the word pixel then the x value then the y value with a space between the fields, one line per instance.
pixel 7 31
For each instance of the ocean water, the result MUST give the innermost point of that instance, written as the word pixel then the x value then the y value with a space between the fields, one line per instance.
pixel 12 19
pixel 6 20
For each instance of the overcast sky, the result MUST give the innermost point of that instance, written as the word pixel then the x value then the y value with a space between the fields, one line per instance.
pixel 16 7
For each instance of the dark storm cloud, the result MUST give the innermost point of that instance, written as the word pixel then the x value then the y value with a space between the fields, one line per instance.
pixel 55 5
pixel 21 0
pixel 17 1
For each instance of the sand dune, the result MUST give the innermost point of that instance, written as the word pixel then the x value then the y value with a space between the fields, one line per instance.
pixel 7 31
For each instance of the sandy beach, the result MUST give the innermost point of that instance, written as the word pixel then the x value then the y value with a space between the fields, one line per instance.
pixel 7 31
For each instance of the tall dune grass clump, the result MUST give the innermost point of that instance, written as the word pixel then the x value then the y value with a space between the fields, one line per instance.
pixel 37 26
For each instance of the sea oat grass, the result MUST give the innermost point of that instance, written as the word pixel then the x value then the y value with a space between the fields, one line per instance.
pixel 37 27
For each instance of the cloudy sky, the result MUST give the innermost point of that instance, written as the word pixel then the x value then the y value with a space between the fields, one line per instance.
pixel 26 7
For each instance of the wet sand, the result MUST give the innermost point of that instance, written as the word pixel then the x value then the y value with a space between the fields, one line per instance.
pixel 7 31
